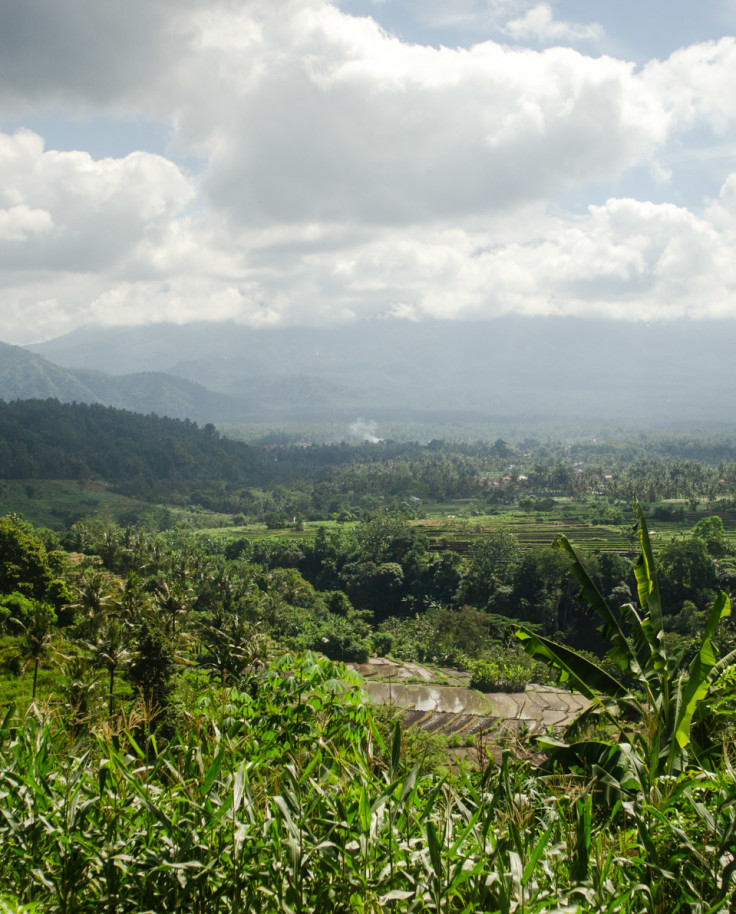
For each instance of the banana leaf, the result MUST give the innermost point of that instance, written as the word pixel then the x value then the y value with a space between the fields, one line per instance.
pixel 587 677
pixel 698 681
pixel 620 651
pixel 646 580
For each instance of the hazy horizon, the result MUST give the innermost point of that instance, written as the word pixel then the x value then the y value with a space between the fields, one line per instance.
pixel 512 371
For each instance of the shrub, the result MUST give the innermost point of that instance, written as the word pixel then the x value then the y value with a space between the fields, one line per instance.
pixel 383 643
pixel 499 676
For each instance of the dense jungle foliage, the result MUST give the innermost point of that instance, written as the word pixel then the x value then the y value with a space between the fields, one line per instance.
pixel 176 462
pixel 181 734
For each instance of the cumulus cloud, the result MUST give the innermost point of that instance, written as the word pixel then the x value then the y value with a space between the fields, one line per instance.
pixel 334 171
pixel 349 124
pixel 304 113
pixel 694 85
pixel 379 132
pixel 18 222
pixel 539 24
pixel 76 232
pixel 78 214
pixel 622 259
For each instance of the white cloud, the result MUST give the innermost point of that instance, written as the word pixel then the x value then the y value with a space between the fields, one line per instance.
pixel 75 231
pixel 303 113
pixel 539 24
pixel 79 214
pixel 329 119
pixel 350 124
pixel 625 259
pixel 19 222
pixel 347 172
pixel 695 85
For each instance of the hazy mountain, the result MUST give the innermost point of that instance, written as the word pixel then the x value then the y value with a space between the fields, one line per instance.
pixel 545 368
pixel 25 375
pixel 156 392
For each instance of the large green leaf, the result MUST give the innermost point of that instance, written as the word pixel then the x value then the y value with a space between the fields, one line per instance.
pixel 648 588
pixel 698 682
pixel 726 661
pixel 614 764
pixel 639 643
pixel 587 677
pixel 620 651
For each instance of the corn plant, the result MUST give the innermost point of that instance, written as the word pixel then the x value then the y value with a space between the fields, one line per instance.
pixel 285 798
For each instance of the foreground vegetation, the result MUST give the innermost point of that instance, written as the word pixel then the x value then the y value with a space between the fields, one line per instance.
pixel 274 812
pixel 269 785
pixel 180 732
pixel 286 798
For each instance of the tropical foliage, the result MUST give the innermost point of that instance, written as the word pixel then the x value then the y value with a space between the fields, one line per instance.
pixel 287 798
pixel 177 745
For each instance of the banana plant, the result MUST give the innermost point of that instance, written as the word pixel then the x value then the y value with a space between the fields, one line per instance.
pixel 652 708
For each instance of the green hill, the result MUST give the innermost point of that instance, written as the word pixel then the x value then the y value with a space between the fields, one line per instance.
pixel 46 439
pixel 24 375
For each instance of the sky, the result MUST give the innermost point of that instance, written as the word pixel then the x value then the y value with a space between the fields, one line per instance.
pixel 287 162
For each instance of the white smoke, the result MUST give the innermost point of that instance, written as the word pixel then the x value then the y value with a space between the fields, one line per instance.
pixel 364 430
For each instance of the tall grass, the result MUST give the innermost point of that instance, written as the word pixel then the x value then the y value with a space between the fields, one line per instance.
pixel 287 798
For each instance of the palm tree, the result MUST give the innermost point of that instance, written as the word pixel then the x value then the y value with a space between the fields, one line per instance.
pixel 94 599
pixel 78 691
pixel 173 601
pixel 231 646
pixel 37 639
pixel 130 599
pixel 111 653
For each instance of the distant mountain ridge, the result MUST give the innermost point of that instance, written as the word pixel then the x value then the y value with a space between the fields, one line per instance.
pixel 592 370
pixel 25 376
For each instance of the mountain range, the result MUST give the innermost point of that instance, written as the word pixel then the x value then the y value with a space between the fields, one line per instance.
pixel 532 370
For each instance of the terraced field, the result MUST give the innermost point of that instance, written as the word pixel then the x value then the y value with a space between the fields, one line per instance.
pixel 530 533
pixel 533 530
pixel 457 710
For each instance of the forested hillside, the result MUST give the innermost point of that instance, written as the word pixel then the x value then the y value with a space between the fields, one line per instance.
pixel 179 462
pixel 25 376
pixel 48 439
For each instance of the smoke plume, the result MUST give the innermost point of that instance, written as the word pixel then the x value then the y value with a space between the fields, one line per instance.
pixel 364 430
